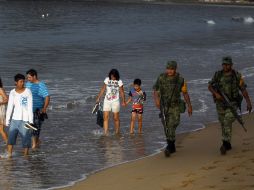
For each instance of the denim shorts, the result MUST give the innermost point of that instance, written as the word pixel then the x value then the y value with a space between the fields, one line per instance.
pixel 17 127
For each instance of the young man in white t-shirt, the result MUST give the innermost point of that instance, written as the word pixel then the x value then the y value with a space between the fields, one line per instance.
pixel 114 88
pixel 19 112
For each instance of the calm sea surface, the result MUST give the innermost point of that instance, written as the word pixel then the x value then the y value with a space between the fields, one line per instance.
pixel 73 45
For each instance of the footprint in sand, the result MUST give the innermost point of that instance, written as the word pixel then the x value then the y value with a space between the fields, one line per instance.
pixel 247 139
pixel 225 179
pixel 238 156
pixel 248 169
pixel 190 174
pixel 208 167
pixel 139 178
pixel 210 187
pixel 187 183
pixel 240 180
pixel 218 161
pixel 167 174
pixel 232 168
pixel 234 173
pixel 246 150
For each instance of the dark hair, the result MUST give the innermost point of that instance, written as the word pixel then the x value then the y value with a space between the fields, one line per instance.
pixel 137 82
pixel 115 73
pixel 32 72
pixel 19 77
pixel 1 84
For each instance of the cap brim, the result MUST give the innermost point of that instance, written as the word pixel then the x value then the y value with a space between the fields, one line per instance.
pixel 170 67
pixel 227 63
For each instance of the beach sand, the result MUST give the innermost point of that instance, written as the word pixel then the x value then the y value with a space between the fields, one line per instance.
pixel 197 164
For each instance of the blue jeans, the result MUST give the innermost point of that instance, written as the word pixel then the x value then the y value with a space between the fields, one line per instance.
pixel 17 127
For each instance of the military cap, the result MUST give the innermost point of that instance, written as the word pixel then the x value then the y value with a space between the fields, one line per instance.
pixel 171 65
pixel 227 60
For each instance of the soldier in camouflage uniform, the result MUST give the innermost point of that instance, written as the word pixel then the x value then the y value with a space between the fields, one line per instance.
pixel 230 82
pixel 167 97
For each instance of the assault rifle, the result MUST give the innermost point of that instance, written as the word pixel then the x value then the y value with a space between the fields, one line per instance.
pixel 162 115
pixel 228 104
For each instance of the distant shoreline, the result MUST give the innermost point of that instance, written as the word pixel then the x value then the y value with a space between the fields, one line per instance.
pixel 200 2
pixel 197 2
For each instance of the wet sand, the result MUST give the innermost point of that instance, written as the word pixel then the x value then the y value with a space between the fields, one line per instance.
pixel 197 164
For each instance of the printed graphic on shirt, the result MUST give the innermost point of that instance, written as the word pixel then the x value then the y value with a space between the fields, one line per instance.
pixel 138 98
pixel 24 101
pixel 113 86
pixel 114 90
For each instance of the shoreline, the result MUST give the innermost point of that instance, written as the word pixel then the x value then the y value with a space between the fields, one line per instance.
pixel 175 2
pixel 182 2
pixel 183 161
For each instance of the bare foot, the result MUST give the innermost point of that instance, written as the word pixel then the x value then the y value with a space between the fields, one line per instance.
pixel 36 144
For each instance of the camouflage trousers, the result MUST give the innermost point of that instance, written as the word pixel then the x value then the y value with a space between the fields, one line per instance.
pixel 172 120
pixel 226 119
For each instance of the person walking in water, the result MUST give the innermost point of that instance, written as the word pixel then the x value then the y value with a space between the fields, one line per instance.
pixel 19 112
pixel 114 90
pixel 41 101
pixel 3 102
pixel 167 97
pixel 137 97
pixel 230 83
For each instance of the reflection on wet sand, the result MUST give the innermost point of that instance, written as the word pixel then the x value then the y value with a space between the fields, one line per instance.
pixel 117 149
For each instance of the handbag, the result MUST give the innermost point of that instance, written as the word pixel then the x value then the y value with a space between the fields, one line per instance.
pixel 99 114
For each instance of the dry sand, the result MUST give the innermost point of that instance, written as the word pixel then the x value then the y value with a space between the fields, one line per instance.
pixel 196 165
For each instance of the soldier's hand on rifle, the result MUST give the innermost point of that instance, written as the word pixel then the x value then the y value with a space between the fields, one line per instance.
pixel 218 96
pixel 249 107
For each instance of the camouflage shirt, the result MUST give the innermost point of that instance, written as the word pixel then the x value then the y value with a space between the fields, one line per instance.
pixel 170 88
pixel 229 84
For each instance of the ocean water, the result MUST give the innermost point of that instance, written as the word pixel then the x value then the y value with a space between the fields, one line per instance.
pixel 74 44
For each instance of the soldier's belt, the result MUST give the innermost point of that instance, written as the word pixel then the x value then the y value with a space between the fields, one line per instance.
pixel 173 104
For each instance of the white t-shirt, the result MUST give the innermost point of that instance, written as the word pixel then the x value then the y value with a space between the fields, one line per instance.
pixel 20 106
pixel 112 90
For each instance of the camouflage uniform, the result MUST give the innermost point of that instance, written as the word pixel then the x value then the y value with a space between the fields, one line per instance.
pixel 169 89
pixel 230 85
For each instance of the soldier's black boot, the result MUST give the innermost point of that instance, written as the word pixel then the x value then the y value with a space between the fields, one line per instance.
pixel 172 147
pixel 167 149
pixel 228 145
pixel 223 148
